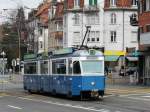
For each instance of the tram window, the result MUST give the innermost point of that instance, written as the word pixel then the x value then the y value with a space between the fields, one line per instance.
pixel 44 67
pixel 76 67
pixel 59 67
pixel 70 66
pixel 92 66
pixel 30 68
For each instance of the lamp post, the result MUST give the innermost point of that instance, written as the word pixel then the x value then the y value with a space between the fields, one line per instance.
pixel 3 72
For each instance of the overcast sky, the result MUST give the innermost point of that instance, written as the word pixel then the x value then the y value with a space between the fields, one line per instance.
pixel 13 4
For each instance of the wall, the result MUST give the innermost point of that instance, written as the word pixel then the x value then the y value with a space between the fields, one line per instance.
pixel 118 27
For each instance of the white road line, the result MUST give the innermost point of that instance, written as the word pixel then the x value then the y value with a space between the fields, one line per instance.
pixel 11 106
pixel 133 94
pixel 106 96
pixel 142 99
pixel 67 105
pixel 146 96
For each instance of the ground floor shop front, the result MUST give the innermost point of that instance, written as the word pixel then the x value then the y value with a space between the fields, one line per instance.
pixel 119 65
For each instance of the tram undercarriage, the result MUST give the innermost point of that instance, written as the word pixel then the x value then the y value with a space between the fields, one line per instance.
pixel 91 94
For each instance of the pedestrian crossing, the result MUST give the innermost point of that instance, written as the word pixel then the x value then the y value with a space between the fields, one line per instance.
pixel 126 91
pixel 140 97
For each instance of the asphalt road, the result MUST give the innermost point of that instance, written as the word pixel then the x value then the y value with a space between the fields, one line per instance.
pixel 25 102
pixel 14 99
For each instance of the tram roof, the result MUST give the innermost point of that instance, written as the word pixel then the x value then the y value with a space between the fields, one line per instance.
pixel 65 52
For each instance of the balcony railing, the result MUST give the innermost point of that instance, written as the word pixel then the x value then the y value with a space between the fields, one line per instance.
pixel 86 8
pixel 91 8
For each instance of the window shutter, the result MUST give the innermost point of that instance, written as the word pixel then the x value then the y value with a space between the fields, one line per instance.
pixel 95 2
pixel 90 2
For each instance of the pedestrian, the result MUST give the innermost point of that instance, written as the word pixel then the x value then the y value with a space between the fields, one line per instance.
pixel 121 71
pixel 106 70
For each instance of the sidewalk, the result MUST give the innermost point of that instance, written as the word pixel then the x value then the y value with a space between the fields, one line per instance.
pixel 123 88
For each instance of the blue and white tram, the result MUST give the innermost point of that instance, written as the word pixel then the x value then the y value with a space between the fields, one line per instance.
pixel 67 71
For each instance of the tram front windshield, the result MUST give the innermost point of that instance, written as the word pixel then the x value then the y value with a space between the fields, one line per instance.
pixel 92 66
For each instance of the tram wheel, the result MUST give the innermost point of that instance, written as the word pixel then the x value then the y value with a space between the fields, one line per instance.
pixel 30 91
pixel 54 92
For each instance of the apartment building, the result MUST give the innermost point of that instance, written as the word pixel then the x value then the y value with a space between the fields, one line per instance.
pixel 144 25
pixel 121 38
pixel 78 15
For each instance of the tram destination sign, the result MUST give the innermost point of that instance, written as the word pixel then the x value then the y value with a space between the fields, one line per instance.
pixel 63 51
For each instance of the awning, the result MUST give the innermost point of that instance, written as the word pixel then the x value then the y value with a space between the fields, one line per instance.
pixel 114 53
pixel 111 58
pixel 132 58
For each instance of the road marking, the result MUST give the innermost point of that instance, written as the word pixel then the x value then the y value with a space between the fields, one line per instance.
pixel 139 99
pixel 67 105
pixel 134 94
pixel 106 96
pixel 146 96
pixel 11 106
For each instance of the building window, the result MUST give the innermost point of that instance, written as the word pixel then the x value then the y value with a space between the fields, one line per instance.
pixel 134 20
pixel 94 36
pixel 76 3
pixel 65 21
pixel 112 2
pixel 141 30
pixel 134 2
pixel 147 28
pixel 113 35
pixel 92 2
pixel 93 19
pixel 41 31
pixel 113 18
pixel 97 39
pixel 76 38
pixel 41 44
pixel 134 36
pixel 76 19
pixel 93 39
pixel 147 5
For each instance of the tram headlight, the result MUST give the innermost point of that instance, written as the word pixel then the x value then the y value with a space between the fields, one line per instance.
pixel 92 83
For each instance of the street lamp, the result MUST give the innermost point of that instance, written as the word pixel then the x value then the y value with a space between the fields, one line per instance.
pixel 3 55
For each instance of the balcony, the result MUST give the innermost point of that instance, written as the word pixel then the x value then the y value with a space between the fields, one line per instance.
pixel 86 8
pixel 91 8
pixel 145 39
pixel 58 34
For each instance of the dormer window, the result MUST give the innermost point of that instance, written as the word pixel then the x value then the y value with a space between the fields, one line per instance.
pixel 134 2
pixel 113 2
pixel 76 3
pixel 147 5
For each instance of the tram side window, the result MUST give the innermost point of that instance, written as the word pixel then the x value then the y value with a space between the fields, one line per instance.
pixel 44 67
pixel 30 68
pixel 70 66
pixel 59 67
pixel 76 67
